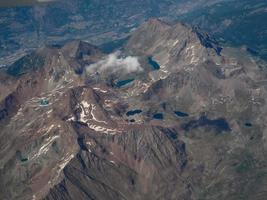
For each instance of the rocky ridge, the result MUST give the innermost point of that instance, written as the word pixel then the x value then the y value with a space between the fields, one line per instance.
pixel 194 128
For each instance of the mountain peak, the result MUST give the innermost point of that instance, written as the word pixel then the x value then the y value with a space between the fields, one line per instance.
pixel 179 44
pixel 78 49
pixel 156 22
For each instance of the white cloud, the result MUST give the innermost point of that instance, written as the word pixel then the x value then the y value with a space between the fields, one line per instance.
pixel 115 62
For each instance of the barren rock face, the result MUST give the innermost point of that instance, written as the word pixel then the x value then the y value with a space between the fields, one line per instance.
pixel 189 125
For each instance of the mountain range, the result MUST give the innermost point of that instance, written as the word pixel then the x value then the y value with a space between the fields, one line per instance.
pixel 170 114
pixel 233 23
pixel 108 23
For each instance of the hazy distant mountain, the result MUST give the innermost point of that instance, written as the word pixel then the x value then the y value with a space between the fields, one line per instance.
pixel 105 21
pixel 235 23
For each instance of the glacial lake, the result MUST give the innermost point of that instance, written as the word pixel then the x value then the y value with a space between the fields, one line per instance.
pixel 158 116
pixel 153 63
pixel 219 124
pixel 181 114
pixel 122 83
pixel 133 112
pixel 248 124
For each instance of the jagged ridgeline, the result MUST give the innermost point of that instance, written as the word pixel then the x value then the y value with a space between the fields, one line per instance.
pixel 172 115
pixel 231 22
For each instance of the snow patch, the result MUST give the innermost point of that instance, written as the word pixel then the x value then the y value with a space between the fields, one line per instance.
pixel 192 52
pixel 45 148
pixel 86 109
pixel 72 118
pixel 176 42
pixel 100 90
pixel 93 116
pixel 103 129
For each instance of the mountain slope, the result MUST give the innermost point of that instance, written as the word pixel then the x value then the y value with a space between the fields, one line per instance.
pixel 189 125
pixel 235 23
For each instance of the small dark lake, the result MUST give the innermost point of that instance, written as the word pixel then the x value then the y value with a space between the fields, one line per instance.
pixel 158 116
pixel 219 124
pixel 153 63
pixel 24 159
pixel 124 82
pixel 248 124
pixel 44 102
pixel 133 112
pixel 181 114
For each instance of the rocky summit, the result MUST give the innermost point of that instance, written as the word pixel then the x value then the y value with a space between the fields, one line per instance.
pixel 170 115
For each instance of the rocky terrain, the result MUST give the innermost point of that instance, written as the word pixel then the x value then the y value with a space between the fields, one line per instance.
pixel 172 115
